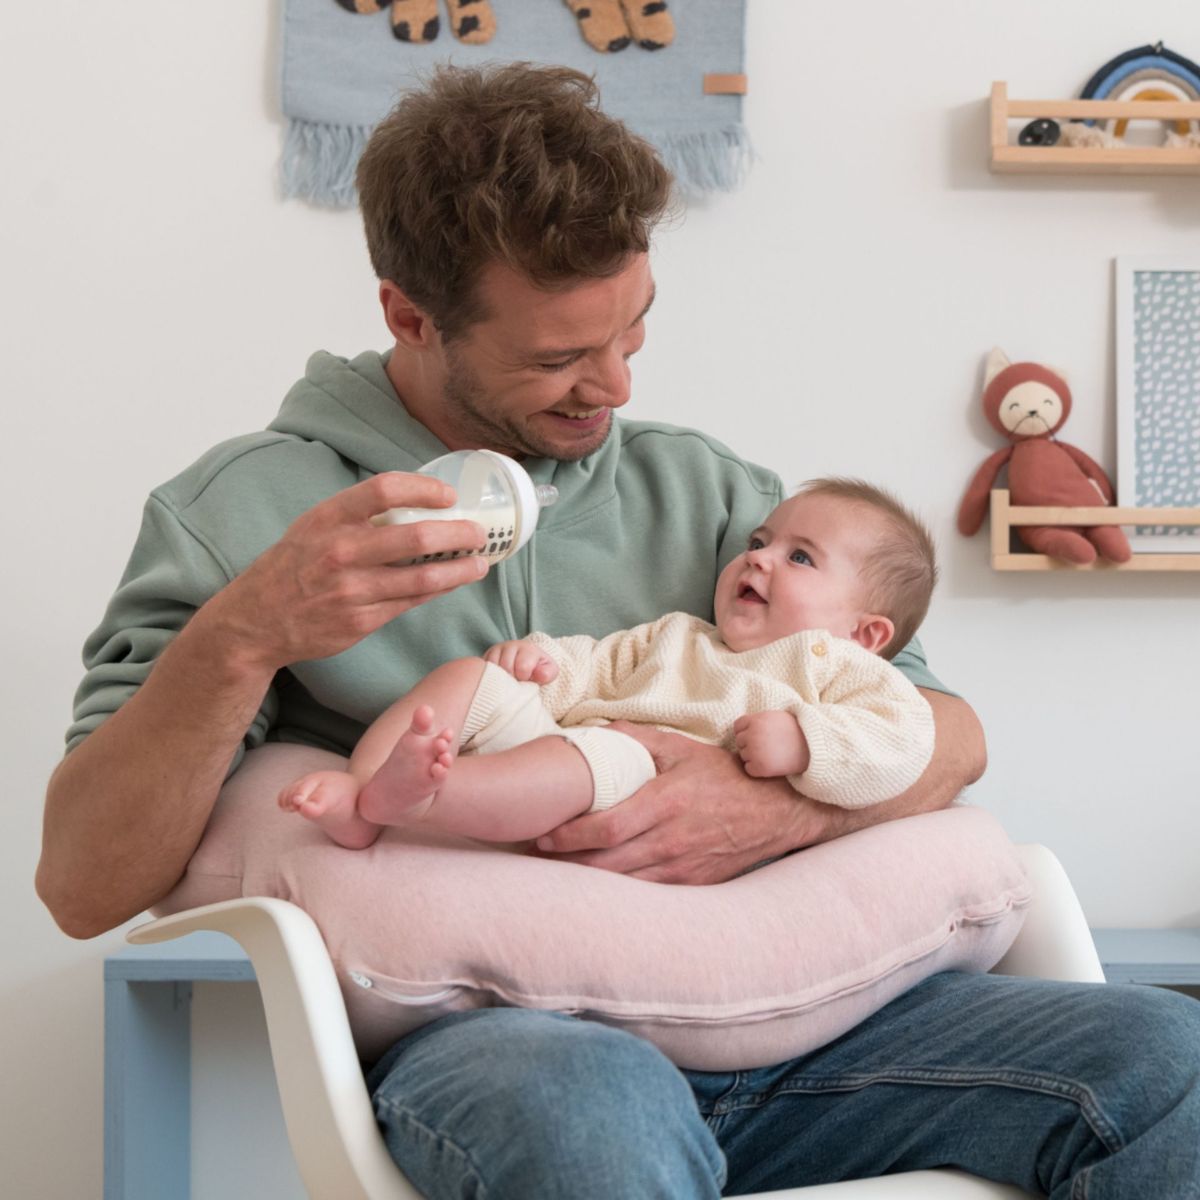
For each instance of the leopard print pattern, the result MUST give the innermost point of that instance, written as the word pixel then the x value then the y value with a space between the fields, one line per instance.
pixel 473 22
pixel 611 25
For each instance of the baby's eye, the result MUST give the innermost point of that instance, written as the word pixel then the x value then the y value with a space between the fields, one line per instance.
pixel 802 557
pixel 755 543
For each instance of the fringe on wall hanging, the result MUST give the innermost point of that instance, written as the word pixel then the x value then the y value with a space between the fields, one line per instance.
pixel 672 70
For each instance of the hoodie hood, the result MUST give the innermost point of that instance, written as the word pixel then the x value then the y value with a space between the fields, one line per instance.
pixel 351 406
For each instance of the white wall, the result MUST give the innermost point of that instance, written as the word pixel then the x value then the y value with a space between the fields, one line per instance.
pixel 157 297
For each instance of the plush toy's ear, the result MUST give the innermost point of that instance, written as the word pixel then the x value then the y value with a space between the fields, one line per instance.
pixel 996 362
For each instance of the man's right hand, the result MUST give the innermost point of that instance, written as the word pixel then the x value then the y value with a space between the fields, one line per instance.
pixel 126 809
pixel 331 579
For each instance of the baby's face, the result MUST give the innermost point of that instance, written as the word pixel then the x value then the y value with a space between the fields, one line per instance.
pixel 801 570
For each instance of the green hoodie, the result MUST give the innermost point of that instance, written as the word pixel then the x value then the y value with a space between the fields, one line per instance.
pixel 642 527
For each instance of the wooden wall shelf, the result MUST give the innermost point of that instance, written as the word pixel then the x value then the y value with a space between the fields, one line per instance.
pixel 1123 160
pixel 1006 515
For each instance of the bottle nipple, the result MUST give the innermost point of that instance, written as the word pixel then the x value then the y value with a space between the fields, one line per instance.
pixel 546 494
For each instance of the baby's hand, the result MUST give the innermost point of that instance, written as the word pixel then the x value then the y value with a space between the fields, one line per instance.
pixel 771 744
pixel 523 660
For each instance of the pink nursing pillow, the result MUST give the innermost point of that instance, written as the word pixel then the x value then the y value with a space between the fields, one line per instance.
pixel 736 975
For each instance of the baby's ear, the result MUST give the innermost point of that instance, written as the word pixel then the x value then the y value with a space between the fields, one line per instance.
pixel 873 632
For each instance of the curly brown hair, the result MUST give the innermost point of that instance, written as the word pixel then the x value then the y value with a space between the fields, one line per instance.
pixel 513 164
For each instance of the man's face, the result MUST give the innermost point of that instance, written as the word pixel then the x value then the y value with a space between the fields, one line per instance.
pixel 801 570
pixel 541 374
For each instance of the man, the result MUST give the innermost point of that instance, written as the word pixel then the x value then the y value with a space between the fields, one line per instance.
pixel 509 221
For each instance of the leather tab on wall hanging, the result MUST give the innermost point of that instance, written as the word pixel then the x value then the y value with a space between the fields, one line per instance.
pixel 725 85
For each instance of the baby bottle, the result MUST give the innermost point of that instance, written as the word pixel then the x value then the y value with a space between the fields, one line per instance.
pixel 493 490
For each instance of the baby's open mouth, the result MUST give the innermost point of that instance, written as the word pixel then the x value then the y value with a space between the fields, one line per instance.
pixel 746 592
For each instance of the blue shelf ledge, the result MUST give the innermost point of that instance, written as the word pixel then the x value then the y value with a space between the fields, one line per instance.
pixel 1158 956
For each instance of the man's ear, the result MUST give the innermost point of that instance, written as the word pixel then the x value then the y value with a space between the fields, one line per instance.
pixel 873 632
pixel 409 324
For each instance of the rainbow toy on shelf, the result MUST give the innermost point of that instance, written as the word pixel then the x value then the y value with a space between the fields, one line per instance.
pixel 1087 135
pixel 1145 73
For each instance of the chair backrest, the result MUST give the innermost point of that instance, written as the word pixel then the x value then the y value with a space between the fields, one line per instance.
pixel 1055 941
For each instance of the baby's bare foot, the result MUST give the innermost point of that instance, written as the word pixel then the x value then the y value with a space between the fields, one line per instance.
pixel 330 800
pixel 319 794
pixel 407 783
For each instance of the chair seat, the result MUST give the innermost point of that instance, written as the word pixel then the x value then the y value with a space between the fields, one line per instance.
pixel 914 1185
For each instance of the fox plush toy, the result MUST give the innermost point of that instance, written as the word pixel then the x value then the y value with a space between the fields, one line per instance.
pixel 1028 403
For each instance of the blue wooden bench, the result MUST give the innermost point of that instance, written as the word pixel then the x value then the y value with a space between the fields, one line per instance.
pixel 148 1060
pixel 1165 957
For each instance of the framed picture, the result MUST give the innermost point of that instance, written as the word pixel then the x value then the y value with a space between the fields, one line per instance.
pixel 1158 393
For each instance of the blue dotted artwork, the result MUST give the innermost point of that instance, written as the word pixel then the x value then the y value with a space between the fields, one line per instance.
pixel 1166 387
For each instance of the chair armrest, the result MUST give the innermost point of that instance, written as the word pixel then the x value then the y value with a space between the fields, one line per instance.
pixel 330 1123
pixel 1055 941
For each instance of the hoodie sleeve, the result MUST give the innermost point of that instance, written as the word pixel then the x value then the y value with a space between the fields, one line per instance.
pixel 170 574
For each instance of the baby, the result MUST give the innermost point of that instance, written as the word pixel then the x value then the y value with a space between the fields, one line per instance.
pixel 793 678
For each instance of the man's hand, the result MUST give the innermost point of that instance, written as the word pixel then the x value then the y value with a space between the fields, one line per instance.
pixel 523 660
pixel 771 744
pixel 330 580
pixel 702 820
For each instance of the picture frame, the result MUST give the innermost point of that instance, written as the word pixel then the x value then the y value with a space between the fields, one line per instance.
pixel 1158 393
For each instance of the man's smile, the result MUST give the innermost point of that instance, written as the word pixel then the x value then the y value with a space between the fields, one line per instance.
pixel 592 419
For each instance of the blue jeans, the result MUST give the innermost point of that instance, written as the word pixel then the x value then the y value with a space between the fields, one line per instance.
pixel 1080 1091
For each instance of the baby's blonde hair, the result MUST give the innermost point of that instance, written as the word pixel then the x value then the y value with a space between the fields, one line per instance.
pixel 901 573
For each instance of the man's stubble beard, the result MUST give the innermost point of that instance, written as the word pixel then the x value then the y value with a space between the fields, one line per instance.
pixel 467 410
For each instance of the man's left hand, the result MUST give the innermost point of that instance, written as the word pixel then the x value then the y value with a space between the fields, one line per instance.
pixel 701 820
pixel 704 820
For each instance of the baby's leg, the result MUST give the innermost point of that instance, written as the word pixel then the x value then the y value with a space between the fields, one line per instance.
pixel 521 775
pixel 402 758
pixel 448 690
pixel 511 795
pixel 333 798
pixel 406 784
pixel 512 782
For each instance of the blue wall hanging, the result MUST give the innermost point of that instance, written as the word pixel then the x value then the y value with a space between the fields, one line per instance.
pixel 673 74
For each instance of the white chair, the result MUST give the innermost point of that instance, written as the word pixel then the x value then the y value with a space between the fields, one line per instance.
pixel 330 1123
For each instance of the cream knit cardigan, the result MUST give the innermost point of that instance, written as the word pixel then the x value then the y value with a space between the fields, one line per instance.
pixel 869 731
